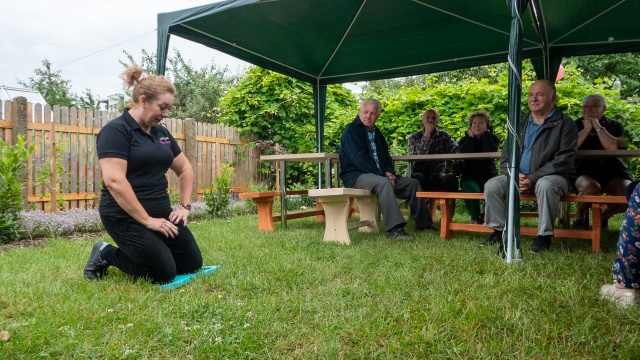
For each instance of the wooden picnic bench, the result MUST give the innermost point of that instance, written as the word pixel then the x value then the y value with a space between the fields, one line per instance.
pixel 447 199
pixel 264 204
pixel 337 208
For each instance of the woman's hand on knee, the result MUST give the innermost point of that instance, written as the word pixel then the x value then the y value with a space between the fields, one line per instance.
pixel 164 226
pixel 179 215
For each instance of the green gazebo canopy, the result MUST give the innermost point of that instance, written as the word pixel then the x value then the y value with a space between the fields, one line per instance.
pixel 337 41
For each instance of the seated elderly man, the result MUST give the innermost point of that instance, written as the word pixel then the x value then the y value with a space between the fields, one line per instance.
pixel 432 175
pixel 548 142
pixel 595 176
pixel 365 163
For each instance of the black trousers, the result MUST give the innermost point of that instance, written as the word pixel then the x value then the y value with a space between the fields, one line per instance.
pixel 145 253
pixel 437 182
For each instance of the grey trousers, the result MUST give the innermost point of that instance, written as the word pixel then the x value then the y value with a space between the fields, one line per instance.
pixel 548 190
pixel 405 189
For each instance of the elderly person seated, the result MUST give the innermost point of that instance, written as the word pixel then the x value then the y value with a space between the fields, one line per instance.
pixel 594 176
pixel 475 173
pixel 432 175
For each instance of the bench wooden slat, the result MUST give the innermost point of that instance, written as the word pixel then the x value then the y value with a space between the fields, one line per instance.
pixel 298 215
pixel 259 194
pixel 264 204
pixel 526 197
pixel 446 199
pixel 358 224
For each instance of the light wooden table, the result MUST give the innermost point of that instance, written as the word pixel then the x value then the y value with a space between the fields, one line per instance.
pixel 329 159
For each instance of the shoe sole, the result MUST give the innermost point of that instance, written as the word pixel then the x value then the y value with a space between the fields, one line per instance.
pixel 623 297
pixel 98 273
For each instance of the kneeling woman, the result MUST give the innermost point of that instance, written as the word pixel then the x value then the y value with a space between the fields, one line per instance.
pixel 135 154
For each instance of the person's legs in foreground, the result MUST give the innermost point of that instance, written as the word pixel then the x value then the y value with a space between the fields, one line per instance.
pixel 144 253
pixel 473 206
pixel 548 190
pixel 495 191
pixel 626 269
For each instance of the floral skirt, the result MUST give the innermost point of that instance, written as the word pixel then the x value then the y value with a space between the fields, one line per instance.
pixel 626 267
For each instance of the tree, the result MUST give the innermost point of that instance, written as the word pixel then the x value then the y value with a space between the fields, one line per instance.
pixel 54 89
pixel 490 72
pixel 88 101
pixel 610 67
pixel 199 92
pixel 278 109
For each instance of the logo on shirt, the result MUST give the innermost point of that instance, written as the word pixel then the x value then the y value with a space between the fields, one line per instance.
pixel 164 140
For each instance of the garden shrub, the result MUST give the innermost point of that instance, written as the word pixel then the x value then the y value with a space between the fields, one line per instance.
pixel 217 197
pixel 37 223
pixel 12 160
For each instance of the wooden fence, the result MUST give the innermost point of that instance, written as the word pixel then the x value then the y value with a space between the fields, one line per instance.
pixel 66 137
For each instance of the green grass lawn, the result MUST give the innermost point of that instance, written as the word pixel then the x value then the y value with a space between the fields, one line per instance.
pixel 287 294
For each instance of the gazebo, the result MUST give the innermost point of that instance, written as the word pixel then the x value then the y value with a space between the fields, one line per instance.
pixel 336 41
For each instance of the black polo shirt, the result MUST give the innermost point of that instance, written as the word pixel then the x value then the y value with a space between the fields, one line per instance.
pixel 601 169
pixel 148 157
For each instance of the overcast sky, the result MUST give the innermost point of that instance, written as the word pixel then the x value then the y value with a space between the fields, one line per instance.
pixel 85 39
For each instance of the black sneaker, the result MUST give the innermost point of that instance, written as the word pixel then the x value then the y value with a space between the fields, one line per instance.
pixel 540 243
pixel 400 235
pixel 428 229
pixel 96 267
pixel 494 238
pixel 580 224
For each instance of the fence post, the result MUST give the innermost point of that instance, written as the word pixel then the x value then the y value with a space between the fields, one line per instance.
pixel 19 116
pixel 191 151
pixel 53 182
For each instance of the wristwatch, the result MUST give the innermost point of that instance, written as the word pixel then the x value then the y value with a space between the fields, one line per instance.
pixel 186 206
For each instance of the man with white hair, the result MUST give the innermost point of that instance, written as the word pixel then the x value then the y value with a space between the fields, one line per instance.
pixel 595 176
pixel 365 163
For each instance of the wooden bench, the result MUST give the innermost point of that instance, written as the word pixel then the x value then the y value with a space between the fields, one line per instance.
pixel 264 204
pixel 446 200
pixel 336 204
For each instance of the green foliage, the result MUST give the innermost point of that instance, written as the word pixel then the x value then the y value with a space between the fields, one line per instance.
pixel 56 90
pixel 216 197
pixel 199 91
pixel 297 202
pixel 268 106
pixel 403 107
pixel 174 197
pixel 44 177
pixel 88 101
pixel 12 160
pixel 625 67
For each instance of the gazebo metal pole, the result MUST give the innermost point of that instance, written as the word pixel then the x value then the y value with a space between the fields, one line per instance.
pixel 511 235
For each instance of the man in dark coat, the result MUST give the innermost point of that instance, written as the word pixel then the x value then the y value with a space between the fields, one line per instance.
pixel 365 163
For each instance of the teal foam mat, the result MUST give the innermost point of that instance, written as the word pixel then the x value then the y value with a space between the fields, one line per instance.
pixel 186 278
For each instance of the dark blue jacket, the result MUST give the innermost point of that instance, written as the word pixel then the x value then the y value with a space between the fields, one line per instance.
pixel 356 155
